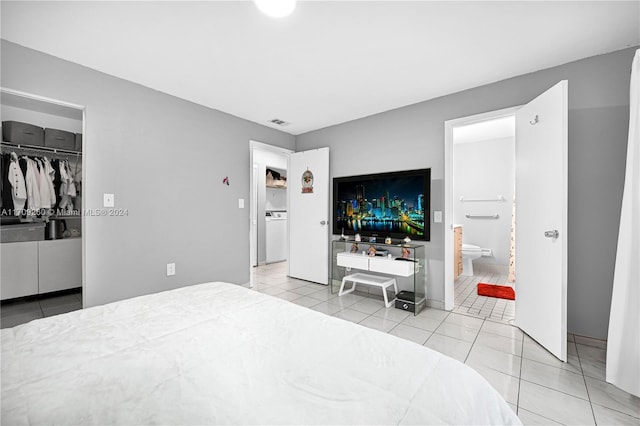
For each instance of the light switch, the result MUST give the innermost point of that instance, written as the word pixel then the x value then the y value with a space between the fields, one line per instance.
pixel 241 203
pixel 109 200
pixel 437 216
pixel 171 269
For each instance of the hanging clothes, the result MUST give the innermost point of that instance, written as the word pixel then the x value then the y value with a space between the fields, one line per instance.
pixel 43 185
pixel 33 189
pixel 7 200
pixel 50 173
pixel 65 177
pixel 18 187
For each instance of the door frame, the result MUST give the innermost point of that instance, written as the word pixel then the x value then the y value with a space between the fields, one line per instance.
pixel 449 296
pixel 253 195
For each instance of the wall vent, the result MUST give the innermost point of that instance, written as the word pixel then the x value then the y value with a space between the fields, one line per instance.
pixel 278 122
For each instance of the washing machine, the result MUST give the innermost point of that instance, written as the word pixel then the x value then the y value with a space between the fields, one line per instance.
pixel 276 236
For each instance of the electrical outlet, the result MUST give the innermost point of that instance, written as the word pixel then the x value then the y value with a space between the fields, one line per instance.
pixel 241 203
pixel 171 269
pixel 437 216
pixel 109 200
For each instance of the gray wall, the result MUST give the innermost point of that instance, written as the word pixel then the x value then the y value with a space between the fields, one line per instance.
pixel 164 159
pixel 412 137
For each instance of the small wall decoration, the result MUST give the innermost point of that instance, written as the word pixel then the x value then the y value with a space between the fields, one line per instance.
pixel 225 181
pixel 307 182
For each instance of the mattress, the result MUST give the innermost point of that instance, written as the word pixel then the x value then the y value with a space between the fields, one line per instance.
pixel 218 353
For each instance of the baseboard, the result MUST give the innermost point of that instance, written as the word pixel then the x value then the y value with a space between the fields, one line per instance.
pixel 437 304
pixel 490 268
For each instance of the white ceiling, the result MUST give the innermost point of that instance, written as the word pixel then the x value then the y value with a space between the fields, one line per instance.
pixel 327 63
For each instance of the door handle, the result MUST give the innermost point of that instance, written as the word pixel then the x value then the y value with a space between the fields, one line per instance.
pixel 552 234
pixel 323 222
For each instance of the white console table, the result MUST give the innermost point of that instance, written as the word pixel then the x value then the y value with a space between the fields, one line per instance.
pixel 382 271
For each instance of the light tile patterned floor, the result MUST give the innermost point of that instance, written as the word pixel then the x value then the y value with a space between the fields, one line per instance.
pixel 541 389
pixel 468 302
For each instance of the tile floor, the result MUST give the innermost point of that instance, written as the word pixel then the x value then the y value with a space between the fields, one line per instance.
pixel 16 312
pixel 467 301
pixel 541 389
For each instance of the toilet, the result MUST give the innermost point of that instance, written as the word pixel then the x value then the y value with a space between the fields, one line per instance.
pixel 469 254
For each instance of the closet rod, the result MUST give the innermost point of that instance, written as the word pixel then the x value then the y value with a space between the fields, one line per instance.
pixel 6 146
pixel 498 198
pixel 482 216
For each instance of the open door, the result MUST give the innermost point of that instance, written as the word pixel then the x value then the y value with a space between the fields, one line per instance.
pixel 541 219
pixel 308 186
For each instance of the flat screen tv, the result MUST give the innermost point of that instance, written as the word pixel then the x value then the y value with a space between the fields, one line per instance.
pixel 394 205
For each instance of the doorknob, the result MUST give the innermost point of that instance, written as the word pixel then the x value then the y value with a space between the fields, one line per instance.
pixel 552 234
pixel 323 222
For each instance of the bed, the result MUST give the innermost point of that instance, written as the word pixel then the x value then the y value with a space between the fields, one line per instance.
pixel 219 353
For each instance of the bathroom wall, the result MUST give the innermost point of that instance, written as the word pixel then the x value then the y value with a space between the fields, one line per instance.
pixel 485 169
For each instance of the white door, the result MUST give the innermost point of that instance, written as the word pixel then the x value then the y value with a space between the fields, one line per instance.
pixel 541 219
pixel 309 215
pixel 253 244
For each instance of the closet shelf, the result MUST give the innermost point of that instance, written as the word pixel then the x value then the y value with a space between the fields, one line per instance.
pixel 38 148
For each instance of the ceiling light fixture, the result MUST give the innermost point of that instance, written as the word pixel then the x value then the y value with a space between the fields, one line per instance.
pixel 276 8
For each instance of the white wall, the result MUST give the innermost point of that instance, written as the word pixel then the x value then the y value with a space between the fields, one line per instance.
pixel 484 170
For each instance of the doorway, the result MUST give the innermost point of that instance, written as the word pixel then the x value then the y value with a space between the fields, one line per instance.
pixel 43 241
pixel 541 157
pixel 483 170
pixel 451 201
pixel 269 205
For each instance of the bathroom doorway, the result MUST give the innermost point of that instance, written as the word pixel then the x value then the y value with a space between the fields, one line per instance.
pixel 483 170
pixel 479 196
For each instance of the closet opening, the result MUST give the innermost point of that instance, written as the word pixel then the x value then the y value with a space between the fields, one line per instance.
pixel 269 231
pixel 42 210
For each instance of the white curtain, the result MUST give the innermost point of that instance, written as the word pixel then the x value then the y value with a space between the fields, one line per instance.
pixel 623 346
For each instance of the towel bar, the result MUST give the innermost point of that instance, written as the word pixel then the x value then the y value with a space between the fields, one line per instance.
pixel 498 198
pixel 482 216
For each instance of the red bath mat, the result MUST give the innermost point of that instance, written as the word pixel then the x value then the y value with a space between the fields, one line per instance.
pixel 493 290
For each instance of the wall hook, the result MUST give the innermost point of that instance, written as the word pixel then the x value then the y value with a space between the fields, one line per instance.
pixel 534 121
pixel 225 181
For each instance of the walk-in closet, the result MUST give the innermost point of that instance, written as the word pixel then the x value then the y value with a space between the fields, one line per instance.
pixel 41 212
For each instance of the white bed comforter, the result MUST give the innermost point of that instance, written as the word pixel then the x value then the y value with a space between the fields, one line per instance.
pixel 218 353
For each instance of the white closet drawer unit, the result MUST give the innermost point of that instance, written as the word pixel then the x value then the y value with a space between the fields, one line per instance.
pixel 60 264
pixel 19 269
pixel 400 268
pixel 353 260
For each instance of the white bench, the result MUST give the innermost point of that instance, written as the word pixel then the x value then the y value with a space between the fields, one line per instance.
pixel 373 280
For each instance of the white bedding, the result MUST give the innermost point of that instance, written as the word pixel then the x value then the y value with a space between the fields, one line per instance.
pixel 218 353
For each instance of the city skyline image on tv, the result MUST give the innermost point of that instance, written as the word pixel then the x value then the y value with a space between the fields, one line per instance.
pixel 391 204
